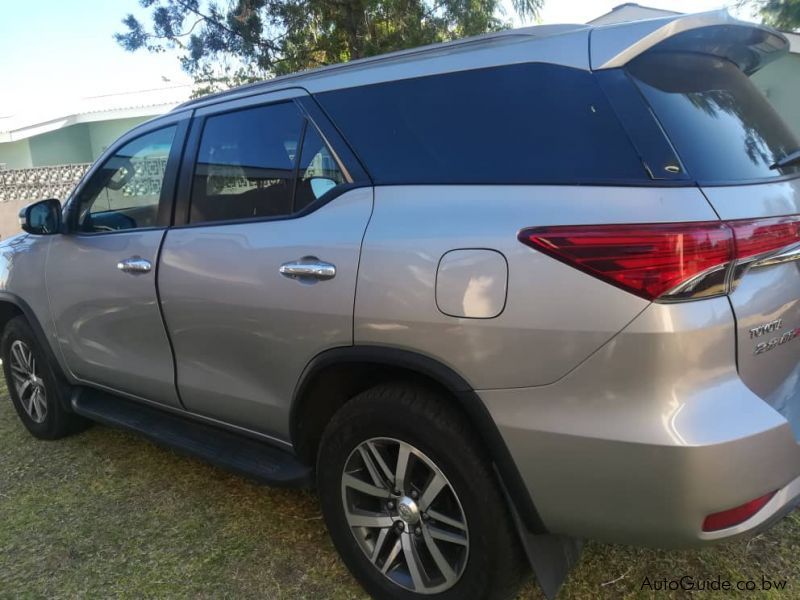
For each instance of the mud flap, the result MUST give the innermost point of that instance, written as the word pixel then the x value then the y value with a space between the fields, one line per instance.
pixel 551 556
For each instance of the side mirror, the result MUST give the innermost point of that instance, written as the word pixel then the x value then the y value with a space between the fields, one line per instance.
pixel 320 185
pixel 41 218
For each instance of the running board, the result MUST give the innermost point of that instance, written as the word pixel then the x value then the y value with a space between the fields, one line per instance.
pixel 230 451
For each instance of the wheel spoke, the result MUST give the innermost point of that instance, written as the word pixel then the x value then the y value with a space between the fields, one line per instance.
pixel 29 406
pixel 432 490
pixel 22 388
pixel 17 353
pixel 441 562
pixel 371 468
pixel 366 519
pixel 37 407
pixel 412 561
pixel 447 536
pixel 393 554
pixel 15 367
pixel 364 487
pixel 387 472
pixel 41 404
pixel 401 469
pixel 444 519
pixel 28 357
pixel 379 544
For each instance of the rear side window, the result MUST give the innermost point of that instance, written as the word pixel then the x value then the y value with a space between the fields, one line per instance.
pixel 723 127
pixel 517 124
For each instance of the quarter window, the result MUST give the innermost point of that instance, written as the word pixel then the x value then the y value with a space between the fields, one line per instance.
pixel 125 192
pixel 516 124
pixel 319 173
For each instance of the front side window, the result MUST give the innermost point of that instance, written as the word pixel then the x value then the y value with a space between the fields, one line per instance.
pixel 125 192
pixel 723 127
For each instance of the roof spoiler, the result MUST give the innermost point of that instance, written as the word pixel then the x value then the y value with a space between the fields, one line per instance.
pixel 748 45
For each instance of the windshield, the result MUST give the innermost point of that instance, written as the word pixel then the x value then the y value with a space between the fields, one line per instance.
pixel 722 127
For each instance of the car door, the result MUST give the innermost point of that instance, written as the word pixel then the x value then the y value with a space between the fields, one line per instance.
pixel 101 275
pixel 261 275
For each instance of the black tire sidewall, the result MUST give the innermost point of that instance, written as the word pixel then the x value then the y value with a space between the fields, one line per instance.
pixel 464 469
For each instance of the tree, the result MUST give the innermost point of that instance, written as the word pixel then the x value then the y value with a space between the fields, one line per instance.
pixel 782 14
pixel 248 40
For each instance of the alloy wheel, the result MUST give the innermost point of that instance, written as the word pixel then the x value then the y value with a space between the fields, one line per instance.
pixel 405 515
pixel 29 386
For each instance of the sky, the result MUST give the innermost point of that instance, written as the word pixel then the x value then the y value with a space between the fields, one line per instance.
pixel 53 51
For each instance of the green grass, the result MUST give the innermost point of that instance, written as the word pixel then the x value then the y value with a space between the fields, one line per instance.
pixel 107 514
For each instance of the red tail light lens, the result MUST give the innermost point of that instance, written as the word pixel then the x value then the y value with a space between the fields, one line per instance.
pixel 647 260
pixel 668 261
pixel 765 235
pixel 734 516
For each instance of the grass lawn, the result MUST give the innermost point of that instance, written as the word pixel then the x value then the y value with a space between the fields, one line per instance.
pixel 107 514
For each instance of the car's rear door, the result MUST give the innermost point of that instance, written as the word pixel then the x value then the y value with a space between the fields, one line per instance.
pixel 101 274
pixel 259 273
pixel 732 141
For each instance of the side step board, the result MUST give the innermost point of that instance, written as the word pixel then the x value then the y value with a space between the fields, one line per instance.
pixel 230 451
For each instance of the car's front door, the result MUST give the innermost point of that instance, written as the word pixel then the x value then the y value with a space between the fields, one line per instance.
pixel 101 274
pixel 261 277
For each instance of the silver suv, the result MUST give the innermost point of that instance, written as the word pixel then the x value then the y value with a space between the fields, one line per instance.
pixel 491 297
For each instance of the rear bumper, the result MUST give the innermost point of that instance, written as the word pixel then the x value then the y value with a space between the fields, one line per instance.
pixel 651 434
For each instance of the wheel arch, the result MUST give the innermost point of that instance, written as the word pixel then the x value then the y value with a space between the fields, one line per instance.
pixel 336 375
pixel 12 306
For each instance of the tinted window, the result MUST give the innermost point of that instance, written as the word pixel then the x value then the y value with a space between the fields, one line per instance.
pixel 245 164
pixel 530 123
pixel 319 173
pixel 124 193
pixel 723 128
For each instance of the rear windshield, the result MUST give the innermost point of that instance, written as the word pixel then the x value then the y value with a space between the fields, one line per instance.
pixel 723 128
pixel 525 123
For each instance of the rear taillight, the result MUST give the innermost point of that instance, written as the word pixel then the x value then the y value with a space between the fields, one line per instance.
pixel 667 261
pixel 756 238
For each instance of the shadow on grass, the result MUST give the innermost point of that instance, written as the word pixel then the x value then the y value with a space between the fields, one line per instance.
pixel 107 514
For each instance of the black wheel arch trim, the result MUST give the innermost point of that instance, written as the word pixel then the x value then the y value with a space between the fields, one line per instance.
pixel 38 331
pixel 464 394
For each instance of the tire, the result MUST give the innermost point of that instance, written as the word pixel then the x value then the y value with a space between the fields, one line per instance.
pixel 382 423
pixel 41 405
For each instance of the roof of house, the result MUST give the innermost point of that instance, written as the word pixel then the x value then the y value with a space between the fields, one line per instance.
pixel 139 103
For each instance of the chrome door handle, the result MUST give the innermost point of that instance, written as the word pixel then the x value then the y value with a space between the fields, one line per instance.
pixel 309 267
pixel 134 265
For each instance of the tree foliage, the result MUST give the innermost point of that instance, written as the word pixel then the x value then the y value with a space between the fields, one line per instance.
pixel 237 41
pixel 783 14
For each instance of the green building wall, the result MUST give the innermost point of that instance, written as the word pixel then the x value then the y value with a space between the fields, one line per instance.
pixel 15 155
pixel 79 143
pixel 780 82
pixel 63 146
pixel 104 133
